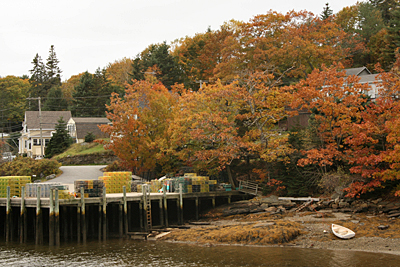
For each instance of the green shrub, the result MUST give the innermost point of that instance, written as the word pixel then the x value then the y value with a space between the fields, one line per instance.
pixel 22 166
pixel 90 137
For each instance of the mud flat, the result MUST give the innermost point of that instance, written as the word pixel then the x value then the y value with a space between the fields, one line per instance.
pixel 259 223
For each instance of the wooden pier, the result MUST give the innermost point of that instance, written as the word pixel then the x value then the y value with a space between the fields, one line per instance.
pixel 53 220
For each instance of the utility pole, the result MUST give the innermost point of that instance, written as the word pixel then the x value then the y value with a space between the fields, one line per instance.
pixel 201 82
pixel 40 124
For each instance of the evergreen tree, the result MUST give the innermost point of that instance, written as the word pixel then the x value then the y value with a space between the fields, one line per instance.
pixel 44 77
pixel 158 57
pixel 37 79
pixel 386 8
pixel 52 70
pixel 60 141
pixel 92 94
pixel 326 12
pixel 55 100
pixel 83 96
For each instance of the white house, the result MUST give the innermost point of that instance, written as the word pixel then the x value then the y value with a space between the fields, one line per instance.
pixel 366 78
pixel 78 128
pixel 36 128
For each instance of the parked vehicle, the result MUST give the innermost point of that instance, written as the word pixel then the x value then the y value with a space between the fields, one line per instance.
pixel 8 156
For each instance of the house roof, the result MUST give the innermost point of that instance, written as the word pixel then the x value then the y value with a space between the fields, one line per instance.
pixel 368 78
pixel 86 125
pixel 49 119
pixel 357 71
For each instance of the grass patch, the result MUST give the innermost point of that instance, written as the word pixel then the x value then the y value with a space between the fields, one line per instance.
pixel 278 233
pixel 81 149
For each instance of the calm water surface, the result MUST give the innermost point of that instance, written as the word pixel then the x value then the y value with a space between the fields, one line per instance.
pixel 142 253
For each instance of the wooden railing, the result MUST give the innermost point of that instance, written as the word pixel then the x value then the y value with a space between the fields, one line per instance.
pixel 248 187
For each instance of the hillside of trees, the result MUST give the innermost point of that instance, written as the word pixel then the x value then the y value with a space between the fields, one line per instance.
pixel 214 101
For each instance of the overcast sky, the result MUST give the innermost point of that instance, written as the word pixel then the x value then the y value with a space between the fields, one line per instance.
pixel 88 34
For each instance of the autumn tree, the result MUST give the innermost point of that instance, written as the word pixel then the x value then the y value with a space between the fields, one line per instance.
pixel 68 87
pixel 139 129
pixel 373 147
pixel 199 55
pixel 282 41
pixel 221 124
pixel 118 71
pixel 336 102
pixel 13 94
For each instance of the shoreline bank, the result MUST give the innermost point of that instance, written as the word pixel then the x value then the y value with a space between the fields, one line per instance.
pixel 375 233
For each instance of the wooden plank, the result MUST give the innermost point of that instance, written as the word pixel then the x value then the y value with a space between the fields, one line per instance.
pixel 299 199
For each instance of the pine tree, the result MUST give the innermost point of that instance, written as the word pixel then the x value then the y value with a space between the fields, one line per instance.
pixel 37 80
pixel 60 141
pixel 157 56
pixel 53 71
pixel 326 12
pixel 44 77
pixel 55 100
pixel 92 94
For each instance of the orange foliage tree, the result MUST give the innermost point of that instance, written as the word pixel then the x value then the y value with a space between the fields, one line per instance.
pixel 118 71
pixel 374 150
pixel 140 121
pixel 354 132
pixel 336 102
pixel 297 39
pixel 221 123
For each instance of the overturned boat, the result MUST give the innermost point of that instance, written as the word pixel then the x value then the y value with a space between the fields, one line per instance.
pixel 342 232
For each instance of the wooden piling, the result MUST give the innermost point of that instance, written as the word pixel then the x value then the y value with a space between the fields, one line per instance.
pixel 57 218
pixel 104 220
pixel 51 219
pixel 165 206
pixel 83 215
pixel 39 220
pixel 160 206
pixel 125 212
pixel 99 223
pixel 65 223
pixel 197 208
pixel 22 218
pixel 120 219
pixel 141 216
pixel 8 216
pixel 144 201
pixel 78 223
pixel 213 202
pixel 180 204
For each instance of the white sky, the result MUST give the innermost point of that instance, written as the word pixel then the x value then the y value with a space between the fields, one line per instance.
pixel 88 34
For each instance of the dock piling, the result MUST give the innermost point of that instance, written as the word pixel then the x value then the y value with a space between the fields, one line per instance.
pixel 51 219
pixel 57 218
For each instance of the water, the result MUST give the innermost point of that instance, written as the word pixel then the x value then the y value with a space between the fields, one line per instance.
pixel 142 253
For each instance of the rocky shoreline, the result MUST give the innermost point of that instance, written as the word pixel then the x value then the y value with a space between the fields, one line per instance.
pixel 273 221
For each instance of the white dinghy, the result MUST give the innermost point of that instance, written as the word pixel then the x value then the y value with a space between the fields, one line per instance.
pixel 342 232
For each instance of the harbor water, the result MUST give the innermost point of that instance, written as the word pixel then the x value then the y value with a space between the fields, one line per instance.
pixel 122 252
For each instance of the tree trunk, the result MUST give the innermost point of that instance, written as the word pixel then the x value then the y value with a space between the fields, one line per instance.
pixel 231 181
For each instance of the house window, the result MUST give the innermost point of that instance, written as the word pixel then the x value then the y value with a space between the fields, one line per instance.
pixel 71 128
pixel 46 142
pixel 36 142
